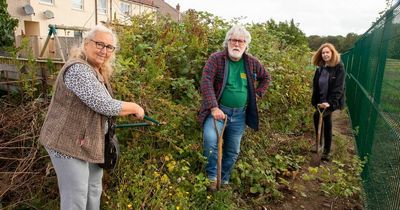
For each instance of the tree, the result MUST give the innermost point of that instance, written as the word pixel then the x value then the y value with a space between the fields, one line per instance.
pixel 341 43
pixel 350 39
pixel 288 32
pixel 7 26
pixel 314 41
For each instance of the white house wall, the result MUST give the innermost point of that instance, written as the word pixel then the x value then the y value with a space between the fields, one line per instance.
pixel 65 15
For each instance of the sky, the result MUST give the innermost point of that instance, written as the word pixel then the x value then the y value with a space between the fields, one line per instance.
pixel 315 17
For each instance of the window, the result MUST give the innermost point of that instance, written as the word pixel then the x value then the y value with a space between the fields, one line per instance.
pixel 77 4
pixel 47 1
pixel 126 8
pixel 78 34
pixel 102 6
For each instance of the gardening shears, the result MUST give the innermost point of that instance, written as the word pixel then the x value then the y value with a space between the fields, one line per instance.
pixel 141 124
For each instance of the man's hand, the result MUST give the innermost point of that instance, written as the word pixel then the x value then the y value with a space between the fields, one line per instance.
pixel 217 113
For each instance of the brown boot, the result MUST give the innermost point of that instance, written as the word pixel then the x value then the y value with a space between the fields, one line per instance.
pixel 212 187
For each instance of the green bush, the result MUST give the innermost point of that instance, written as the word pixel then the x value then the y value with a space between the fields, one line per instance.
pixel 7 26
pixel 159 65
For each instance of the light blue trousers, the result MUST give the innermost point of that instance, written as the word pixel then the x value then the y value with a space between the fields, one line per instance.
pixel 79 182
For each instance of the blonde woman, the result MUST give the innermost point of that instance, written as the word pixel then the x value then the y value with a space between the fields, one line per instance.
pixel 328 90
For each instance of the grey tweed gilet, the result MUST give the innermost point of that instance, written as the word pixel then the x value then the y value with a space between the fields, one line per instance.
pixel 71 127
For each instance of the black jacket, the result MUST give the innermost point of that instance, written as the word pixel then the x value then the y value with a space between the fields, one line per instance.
pixel 335 94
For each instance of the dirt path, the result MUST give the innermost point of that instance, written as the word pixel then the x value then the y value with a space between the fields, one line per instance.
pixel 307 194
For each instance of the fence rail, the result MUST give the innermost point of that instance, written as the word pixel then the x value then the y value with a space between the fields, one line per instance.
pixel 373 98
pixel 15 72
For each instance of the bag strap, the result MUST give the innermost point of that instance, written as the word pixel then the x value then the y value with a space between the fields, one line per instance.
pixel 111 120
pixel 111 125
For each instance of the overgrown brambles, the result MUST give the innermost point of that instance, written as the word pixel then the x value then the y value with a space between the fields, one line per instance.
pixel 159 66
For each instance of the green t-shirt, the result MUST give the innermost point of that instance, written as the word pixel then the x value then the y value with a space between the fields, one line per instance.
pixel 235 91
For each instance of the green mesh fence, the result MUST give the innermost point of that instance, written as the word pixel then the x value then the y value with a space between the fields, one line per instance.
pixel 373 99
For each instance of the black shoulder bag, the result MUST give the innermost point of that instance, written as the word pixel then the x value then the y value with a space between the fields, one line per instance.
pixel 111 147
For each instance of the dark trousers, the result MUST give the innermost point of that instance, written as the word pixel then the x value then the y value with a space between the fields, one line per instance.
pixel 326 127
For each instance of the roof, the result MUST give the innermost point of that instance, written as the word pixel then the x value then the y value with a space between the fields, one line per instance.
pixel 167 10
pixel 145 2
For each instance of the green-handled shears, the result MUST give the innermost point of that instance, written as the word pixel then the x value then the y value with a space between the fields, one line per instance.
pixel 141 124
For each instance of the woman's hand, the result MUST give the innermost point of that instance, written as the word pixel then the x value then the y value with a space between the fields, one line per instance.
pixel 139 112
pixel 217 113
pixel 132 108
pixel 324 105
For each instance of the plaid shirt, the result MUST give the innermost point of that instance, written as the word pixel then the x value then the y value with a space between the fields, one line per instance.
pixel 213 81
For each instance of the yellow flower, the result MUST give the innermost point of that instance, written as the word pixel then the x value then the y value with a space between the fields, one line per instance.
pixel 164 179
pixel 171 166
pixel 177 208
pixel 129 205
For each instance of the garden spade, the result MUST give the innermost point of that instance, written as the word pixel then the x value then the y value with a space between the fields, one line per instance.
pixel 220 141
pixel 316 157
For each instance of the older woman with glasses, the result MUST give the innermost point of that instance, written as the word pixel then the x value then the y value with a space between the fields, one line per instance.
pixel 76 121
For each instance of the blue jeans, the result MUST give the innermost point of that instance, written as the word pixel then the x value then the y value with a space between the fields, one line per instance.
pixel 231 142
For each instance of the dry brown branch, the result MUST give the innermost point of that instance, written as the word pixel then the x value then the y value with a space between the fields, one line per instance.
pixel 23 167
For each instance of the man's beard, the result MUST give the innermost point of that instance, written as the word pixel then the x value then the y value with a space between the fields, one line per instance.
pixel 235 54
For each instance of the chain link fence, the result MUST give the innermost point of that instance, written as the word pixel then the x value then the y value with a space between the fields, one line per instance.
pixel 373 99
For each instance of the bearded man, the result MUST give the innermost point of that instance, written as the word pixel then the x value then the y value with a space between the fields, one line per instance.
pixel 231 82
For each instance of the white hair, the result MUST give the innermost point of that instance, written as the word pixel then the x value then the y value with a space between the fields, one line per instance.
pixel 79 52
pixel 101 28
pixel 237 30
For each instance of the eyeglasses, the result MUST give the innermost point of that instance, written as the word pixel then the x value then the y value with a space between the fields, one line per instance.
pixel 102 45
pixel 239 41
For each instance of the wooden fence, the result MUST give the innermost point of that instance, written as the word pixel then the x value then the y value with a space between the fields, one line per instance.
pixel 15 72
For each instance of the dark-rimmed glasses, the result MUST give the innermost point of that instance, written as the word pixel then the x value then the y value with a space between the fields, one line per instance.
pixel 239 41
pixel 102 45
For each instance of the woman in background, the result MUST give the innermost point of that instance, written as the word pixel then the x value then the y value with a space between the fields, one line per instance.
pixel 328 90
